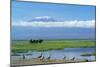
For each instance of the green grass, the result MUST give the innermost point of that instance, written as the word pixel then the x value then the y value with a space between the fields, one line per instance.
pixel 24 46
pixel 89 54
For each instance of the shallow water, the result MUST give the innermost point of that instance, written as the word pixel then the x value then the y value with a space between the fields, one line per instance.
pixel 59 54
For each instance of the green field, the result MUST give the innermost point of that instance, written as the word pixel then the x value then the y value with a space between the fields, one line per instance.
pixel 89 54
pixel 23 46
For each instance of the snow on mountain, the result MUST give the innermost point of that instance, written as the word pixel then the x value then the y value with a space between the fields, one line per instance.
pixel 43 19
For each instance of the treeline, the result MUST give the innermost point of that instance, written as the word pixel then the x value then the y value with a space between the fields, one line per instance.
pixel 35 41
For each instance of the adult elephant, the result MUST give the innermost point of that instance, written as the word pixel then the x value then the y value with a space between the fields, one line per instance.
pixel 36 41
pixel 40 41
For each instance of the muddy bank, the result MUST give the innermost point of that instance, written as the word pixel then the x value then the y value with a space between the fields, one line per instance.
pixel 37 61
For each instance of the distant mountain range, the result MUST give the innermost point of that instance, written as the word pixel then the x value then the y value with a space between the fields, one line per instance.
pixel 43 19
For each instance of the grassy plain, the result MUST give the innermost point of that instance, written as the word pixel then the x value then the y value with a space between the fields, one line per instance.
pixel 24 46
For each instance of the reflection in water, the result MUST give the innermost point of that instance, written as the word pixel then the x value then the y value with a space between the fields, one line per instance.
pixel 69 53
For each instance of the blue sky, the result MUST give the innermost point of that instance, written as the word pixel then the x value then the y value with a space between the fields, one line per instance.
pixel 77 21
pixel 29 10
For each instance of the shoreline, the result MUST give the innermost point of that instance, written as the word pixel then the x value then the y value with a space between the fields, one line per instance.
pixel 37 61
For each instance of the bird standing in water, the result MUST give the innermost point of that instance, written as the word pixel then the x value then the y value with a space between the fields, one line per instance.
pixel 73 58
pixel 40 56
pixel 64 58
pixel 48 57
pixel 23 56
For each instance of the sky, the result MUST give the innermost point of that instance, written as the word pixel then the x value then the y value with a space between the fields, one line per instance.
pixel 52 21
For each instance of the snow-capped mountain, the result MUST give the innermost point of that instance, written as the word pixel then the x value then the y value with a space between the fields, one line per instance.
pixel 43 19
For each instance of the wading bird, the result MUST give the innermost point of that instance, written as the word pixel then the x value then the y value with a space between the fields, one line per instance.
pixel 23 56
pixel 49 57
pixel 40 56
pixel 73 58
pixel 64 58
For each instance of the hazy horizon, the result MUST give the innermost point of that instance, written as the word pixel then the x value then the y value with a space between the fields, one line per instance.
pixel 52 21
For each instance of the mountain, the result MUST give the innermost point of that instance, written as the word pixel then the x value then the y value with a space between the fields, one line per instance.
pixel 43 19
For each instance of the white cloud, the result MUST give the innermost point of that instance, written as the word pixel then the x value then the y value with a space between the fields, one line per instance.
pixel 75 23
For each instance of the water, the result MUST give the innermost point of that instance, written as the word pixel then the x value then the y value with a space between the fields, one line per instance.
pixel 59 54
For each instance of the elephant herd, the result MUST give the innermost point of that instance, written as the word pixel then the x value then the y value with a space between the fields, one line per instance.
pixel 36 41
